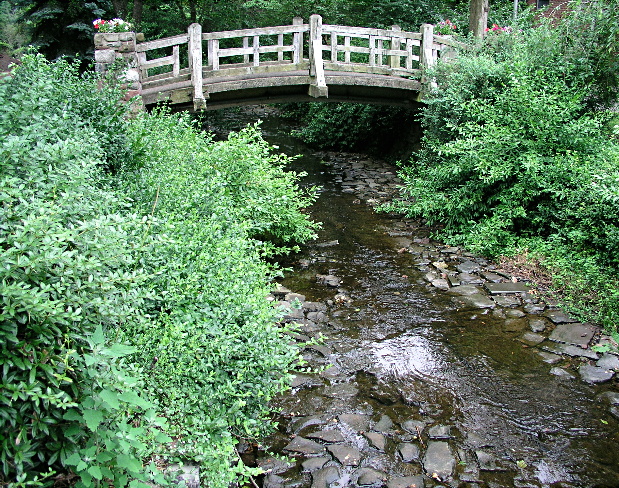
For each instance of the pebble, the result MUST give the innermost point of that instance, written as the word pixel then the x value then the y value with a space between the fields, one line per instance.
pixel 346 455
pixel 439 460
pixel 376 440
pixel 409 452
pixel 370 476
pixel 594 374
pixel 327 436
pixel 304 446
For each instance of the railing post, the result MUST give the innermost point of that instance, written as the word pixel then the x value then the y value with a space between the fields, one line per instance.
pixel 297 42
pixel 426 55
pixel 195 63
pixel 394 60
pixel 318 84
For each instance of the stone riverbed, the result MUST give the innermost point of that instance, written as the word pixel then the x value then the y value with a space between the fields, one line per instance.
pixel 427 366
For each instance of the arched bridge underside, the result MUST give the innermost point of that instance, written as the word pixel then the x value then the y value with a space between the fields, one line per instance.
pixel 298 62
pixel 233 91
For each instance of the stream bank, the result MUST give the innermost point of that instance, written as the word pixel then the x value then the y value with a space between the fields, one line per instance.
pixel 434 367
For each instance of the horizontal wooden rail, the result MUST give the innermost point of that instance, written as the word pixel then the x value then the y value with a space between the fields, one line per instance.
pixel 201 58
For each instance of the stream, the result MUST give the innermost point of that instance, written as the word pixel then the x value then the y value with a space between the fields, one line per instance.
pixel 417 378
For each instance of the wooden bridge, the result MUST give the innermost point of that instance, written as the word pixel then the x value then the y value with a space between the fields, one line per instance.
pixel 297 62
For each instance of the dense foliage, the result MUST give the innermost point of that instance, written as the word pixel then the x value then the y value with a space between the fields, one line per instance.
pixel 132 285
pixel 515 158
pixel 352 126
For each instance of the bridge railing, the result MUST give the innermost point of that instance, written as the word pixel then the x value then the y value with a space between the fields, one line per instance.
pixel 267 50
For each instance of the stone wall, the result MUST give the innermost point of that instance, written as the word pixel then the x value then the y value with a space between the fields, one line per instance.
pixel 118 48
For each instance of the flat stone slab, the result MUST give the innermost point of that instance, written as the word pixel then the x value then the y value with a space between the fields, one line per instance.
pixel 549 357
pixel 300 423
pixel 495 278
pixel 538 324
pixel 346 455
pixel 507 301
pixel 328 280
pixel 561 373
pixel 370 476
pixel 325 476
pixel 385 423
pixel 407 482
pixel 570 350
pixel 304 446
pixel 440 432
pixel 409 452
pixel 609 361
pixel 320 349
pixel 464 290
pixel 441 284
pixel 413 426
pixel 506 288
pixel 315 463
pixel 469 279
pixel 355 421
pixel 593 374
pixel 574 333
pixel 327 436
pixel 468 267
pixel 274 465
pixel 273 481
pixel 376 440
pixel 475 301
pixel 559 317
pixel 514 325
pixel 532 339
pixel 439 460
pixel 534 308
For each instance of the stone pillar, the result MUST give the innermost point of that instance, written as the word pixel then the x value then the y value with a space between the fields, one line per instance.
pixel 118 48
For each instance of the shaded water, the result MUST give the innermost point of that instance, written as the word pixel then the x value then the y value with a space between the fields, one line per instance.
pixel 403 349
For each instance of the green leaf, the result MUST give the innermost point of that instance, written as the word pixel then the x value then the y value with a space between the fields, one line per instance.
pixel 72 415
pixel 111 398
pixel 119 350
pixel 95 472
pixel 98 338
pixel 133 398
pixel 74 459
pixel 93 418
pixel 129 463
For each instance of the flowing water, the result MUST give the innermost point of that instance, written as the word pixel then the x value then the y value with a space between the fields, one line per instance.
pixel 421 390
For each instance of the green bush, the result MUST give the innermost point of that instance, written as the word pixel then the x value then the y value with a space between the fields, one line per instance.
pixel 214 353
pixel 133 286
pixel 514 158
pixel 68 272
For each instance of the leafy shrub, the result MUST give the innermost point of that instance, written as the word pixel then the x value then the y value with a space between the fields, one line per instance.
pixel 132 286
pixel 513 157
pixel 67 273
pixel 214 353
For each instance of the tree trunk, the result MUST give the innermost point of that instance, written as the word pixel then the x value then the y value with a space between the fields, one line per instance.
pixel 138 6
pixel 478 17
pixel 120 8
